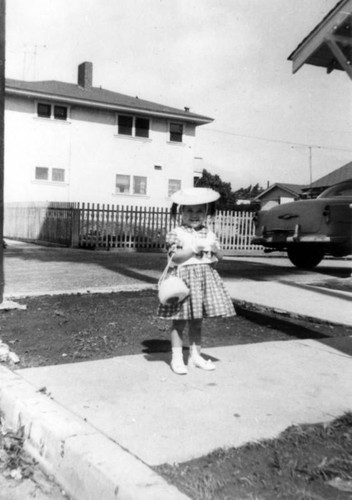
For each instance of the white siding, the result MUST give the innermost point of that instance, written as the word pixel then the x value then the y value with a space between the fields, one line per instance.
pixel 90 150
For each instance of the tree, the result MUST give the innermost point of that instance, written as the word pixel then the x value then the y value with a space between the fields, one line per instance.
pixel 249 192
pixel 227 199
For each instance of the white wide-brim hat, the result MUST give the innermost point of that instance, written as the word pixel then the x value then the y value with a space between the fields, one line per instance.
pixel 195 196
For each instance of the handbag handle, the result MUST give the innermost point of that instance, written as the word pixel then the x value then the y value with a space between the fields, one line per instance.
pixel 166 270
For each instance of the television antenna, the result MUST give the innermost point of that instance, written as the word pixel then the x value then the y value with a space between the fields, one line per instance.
pixel 34 54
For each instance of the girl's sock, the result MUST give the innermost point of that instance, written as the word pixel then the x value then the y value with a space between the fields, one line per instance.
pixel 177 363
pixel 195 359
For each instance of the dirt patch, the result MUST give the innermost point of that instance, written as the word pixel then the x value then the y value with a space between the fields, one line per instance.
pixel 73 328
pixel 306 462
pixel 20 476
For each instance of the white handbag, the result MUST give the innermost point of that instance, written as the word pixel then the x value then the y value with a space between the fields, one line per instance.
pixel 171 289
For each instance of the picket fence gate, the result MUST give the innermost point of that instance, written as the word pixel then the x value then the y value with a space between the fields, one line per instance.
pixel 110 227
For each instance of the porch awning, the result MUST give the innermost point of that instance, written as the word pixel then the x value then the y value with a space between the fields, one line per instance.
pixel 329 45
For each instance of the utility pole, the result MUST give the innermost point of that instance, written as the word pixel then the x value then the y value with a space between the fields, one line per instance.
pixel 2 142
pixel 310 165
pixel 310 150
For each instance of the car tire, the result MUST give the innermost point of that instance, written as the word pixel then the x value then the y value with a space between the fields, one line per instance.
pixel 304 256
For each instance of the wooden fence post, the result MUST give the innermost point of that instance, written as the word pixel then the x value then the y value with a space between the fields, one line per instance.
pixel 75 227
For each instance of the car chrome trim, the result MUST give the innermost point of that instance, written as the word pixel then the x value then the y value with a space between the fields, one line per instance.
pixel 288 216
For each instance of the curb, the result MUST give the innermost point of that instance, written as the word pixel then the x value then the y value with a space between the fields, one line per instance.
pixel 255 307
pixel 87 464
pixel 82 291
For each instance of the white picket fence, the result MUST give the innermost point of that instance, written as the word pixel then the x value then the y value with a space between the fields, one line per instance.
pixel 90 225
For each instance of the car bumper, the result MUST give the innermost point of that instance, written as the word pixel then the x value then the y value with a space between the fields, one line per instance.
pixel 275 239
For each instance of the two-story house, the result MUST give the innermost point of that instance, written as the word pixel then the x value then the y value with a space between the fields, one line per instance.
pixel 79 143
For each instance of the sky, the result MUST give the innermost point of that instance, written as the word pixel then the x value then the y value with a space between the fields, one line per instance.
pixel 226 59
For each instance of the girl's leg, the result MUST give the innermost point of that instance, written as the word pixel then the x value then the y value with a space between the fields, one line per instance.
pixel 195 340
pixel 177 363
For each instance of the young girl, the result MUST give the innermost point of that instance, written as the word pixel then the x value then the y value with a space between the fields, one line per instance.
pixel 194 249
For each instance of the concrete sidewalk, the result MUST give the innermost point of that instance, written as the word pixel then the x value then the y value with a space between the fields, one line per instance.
pixel 294 300
pixel 100 426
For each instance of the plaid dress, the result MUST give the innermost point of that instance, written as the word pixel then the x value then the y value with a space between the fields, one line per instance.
pixel 208 296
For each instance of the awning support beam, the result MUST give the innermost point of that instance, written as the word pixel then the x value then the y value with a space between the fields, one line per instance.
pixel 339 55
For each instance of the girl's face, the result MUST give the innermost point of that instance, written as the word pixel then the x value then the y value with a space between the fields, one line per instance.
pixel 194 215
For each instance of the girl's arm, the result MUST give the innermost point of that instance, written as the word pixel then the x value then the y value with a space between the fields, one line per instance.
pixel 176 251
pixel 181 255
pixel 216 249
pixel 219 254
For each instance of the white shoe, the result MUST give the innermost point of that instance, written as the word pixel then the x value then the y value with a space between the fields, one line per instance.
pixel 200 362
pixel 179 367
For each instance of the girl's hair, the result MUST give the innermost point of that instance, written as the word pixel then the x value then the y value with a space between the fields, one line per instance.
pixel 175 209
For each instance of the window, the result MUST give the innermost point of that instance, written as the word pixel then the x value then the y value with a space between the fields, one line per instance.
pixel 133 126
pixel 58 175
pixel 44 110
pixel 125 125
pixel 139 185
pixel 176 131
pixel 41 173
pixel 60 112
pixel 49 174
pixel 174 185
pixel 52 111
pixel 142 127
pixel 124 184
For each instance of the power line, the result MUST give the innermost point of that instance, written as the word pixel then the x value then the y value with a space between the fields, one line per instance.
pixel 266 139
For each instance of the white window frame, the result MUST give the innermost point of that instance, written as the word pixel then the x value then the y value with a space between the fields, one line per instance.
pixel 171 192
pixel 131 185
pixel 182 134
pixel 50 171
pixel 52 111
pixel 122 183
pixel 142 180
pixel 133 128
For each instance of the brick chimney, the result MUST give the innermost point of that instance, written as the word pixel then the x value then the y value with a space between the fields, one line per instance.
pixel 85 75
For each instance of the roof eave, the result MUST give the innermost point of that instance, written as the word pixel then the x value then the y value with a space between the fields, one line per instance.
pixel 277 185
pixel 266 191
pixel 198 120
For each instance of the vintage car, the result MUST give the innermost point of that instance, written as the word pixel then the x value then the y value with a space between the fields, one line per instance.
pixel 309 229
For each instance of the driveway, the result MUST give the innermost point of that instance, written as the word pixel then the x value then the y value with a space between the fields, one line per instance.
pixel 33 269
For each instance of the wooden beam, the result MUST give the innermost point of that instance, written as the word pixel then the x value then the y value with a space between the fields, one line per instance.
pixel 339 55
pixel 343 40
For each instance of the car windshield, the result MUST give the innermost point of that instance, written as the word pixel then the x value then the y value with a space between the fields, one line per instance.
pixel 341 189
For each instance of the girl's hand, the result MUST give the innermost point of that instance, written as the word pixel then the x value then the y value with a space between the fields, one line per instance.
pixel 200 247
pixel 214 248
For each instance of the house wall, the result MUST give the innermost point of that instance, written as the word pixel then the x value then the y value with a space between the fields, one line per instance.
pixel 90 150
pixel 276 196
